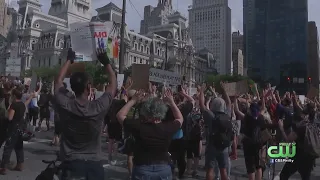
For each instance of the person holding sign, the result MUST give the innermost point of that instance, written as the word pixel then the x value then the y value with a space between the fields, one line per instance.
pixel 81 121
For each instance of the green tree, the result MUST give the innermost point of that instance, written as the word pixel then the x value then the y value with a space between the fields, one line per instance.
pixel 216 79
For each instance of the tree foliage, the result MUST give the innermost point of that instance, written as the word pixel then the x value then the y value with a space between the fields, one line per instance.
pixel 216 79
pixel 95 71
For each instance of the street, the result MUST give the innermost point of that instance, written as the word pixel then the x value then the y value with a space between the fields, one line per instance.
pixel 38 149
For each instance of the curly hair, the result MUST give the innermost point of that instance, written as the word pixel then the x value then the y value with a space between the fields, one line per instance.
pixel 153 108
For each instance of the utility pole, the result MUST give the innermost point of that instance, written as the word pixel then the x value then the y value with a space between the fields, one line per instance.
pixel 122 39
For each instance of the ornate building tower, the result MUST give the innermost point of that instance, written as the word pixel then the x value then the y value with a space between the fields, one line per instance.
pixel 71 10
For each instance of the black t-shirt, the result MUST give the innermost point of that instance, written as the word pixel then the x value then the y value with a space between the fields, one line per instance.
pixel 151 140
pixel 44 100
pixel 114 109
pixel 19 110
pixel 250 123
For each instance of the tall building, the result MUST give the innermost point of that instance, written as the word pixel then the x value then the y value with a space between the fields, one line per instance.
pixel 313 55
pixel 5 18
pixel 276 42
pixel 210 27
pixel 155 16
pixel 248 27
pixel 237 56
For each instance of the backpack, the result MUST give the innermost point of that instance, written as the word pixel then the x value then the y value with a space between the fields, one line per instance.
pixel 260 136
pixel 222 133
pixel 193 126
pixel 312 139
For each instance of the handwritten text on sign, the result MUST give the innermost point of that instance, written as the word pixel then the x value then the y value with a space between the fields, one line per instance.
pixel 161 76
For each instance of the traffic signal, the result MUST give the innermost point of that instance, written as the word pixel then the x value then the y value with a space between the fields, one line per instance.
pixel 309 79
pixel 288 79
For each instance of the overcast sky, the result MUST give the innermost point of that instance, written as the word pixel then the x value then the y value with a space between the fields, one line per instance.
pixel 134 17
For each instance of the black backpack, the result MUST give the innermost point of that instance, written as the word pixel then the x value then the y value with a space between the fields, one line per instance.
pixel 311 143
pixel 222 133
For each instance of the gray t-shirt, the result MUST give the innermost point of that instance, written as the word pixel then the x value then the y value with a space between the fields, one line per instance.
pixel 81 125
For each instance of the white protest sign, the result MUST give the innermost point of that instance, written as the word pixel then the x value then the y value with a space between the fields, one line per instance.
pixel 193 91
pixel 302 98
pixel 120 79
pixel 81 38
pixel 86 37
pixel 158 75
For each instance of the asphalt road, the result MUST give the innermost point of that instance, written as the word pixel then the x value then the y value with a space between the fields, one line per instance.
pixel 39 149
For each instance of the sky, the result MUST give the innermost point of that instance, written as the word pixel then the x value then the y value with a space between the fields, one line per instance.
pixel 135 12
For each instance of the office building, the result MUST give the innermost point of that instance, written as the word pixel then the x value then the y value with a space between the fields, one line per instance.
pixel 237 56
pixel 313 55
pixel 210 27
pixel 276 42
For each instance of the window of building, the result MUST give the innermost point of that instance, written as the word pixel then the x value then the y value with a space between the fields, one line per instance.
pixel 49 62
pixel 140 61
pixel 39 63
pixel 135 46
pixel 134 59
pixel 60 61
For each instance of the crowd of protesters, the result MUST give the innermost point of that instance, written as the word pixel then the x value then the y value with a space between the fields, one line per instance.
pixel 162 131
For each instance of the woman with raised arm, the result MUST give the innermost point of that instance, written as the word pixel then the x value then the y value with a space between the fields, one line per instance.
pixel 152 135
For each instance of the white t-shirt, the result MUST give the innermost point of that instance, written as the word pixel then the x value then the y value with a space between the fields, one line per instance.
pixel 35 100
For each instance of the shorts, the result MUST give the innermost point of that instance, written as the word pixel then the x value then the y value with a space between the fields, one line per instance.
pixel 193 150
pixel 254 157
pixel 115 131
pixel 214 155
pixel 44 113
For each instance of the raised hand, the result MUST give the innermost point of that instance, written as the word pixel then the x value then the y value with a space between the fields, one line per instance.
pixel 103 57
pixel 71 56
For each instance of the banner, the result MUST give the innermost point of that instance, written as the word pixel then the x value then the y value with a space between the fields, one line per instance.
pixel 159 75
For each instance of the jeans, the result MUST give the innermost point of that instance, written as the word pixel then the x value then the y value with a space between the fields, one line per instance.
pixel 82 170
pixel 152 172
pixel 14 141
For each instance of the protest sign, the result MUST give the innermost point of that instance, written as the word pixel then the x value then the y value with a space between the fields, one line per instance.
pixel 120 78
pixel 159 75
pixel 312 93
pixel 81 38
pixel 302 98
pixel 237 88
pixel 86 37
pixel 140 76
pixel 230 88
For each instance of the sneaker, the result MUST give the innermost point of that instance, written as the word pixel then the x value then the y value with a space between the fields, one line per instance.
pixel 113 162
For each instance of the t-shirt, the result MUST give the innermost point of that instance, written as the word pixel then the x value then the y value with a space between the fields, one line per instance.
pixel 34 101
pixel 81 124
pixel 18 117
pixel 114 109
pixel 151 140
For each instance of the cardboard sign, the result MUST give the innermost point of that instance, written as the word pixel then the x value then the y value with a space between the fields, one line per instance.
pixel 140 77
pixel 312 93
pixel 237 88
